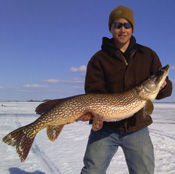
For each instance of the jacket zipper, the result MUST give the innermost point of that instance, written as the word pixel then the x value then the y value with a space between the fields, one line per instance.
pixel 126 123
pixel 126 63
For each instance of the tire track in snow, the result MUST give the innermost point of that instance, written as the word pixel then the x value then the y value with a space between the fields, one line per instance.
pixel 53 169
pixel 164 149
pixel 161 133
pixel 167 139
pixel 41 155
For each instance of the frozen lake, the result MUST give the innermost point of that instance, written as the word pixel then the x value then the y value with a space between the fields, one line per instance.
pixel 65 155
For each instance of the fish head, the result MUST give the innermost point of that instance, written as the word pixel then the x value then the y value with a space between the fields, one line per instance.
pixel 149 89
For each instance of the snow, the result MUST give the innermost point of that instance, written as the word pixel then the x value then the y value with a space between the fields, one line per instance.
pixel 65 155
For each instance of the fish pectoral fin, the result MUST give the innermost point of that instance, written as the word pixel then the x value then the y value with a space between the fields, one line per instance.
pixel 54 131
pixel 149 107
pixel 97 123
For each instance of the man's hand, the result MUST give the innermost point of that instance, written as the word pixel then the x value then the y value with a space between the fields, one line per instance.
pixel 86 117
pixel 163 85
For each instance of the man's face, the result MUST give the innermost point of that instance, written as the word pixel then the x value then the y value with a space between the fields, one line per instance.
pixel 122 35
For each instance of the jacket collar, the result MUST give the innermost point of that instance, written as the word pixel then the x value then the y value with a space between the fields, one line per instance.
pixel 109 47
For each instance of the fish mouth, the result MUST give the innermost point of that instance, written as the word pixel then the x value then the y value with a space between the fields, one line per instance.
pixel 164 69
pixel 162 73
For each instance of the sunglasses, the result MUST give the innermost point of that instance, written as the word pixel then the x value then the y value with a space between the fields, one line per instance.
pixel 118 25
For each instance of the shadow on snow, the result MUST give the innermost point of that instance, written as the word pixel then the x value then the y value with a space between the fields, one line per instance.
pixel 15 170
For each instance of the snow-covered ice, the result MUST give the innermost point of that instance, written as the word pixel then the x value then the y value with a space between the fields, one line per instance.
pixel 65 155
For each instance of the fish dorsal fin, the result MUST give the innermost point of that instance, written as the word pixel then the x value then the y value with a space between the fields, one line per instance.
pixel 54 131
pixel 97 123
pixel 149 107
pixel 46 106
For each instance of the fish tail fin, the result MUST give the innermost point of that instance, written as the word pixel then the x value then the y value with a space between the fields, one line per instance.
pixel 22 141
pixel 54 131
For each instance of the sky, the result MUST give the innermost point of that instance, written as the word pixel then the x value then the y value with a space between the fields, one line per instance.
pixel 45 45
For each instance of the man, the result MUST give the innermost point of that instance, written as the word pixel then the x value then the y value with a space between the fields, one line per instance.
pixel 120 65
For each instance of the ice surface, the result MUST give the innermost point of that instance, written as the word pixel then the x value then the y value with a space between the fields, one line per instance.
pixel 65 155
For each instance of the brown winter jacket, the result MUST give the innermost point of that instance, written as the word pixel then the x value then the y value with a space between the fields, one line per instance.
pixel 111 71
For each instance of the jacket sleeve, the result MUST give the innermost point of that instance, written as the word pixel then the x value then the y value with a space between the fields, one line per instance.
pixel 94 81
pixel 167 90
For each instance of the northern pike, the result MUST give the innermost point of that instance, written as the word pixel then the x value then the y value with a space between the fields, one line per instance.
pixel 103 107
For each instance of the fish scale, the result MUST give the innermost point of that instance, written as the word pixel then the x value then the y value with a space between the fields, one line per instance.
pixel 103 107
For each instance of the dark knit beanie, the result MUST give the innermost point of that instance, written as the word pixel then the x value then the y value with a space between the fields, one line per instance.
pixel 121 12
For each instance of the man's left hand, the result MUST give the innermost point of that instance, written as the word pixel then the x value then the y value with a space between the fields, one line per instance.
pixel 163 85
